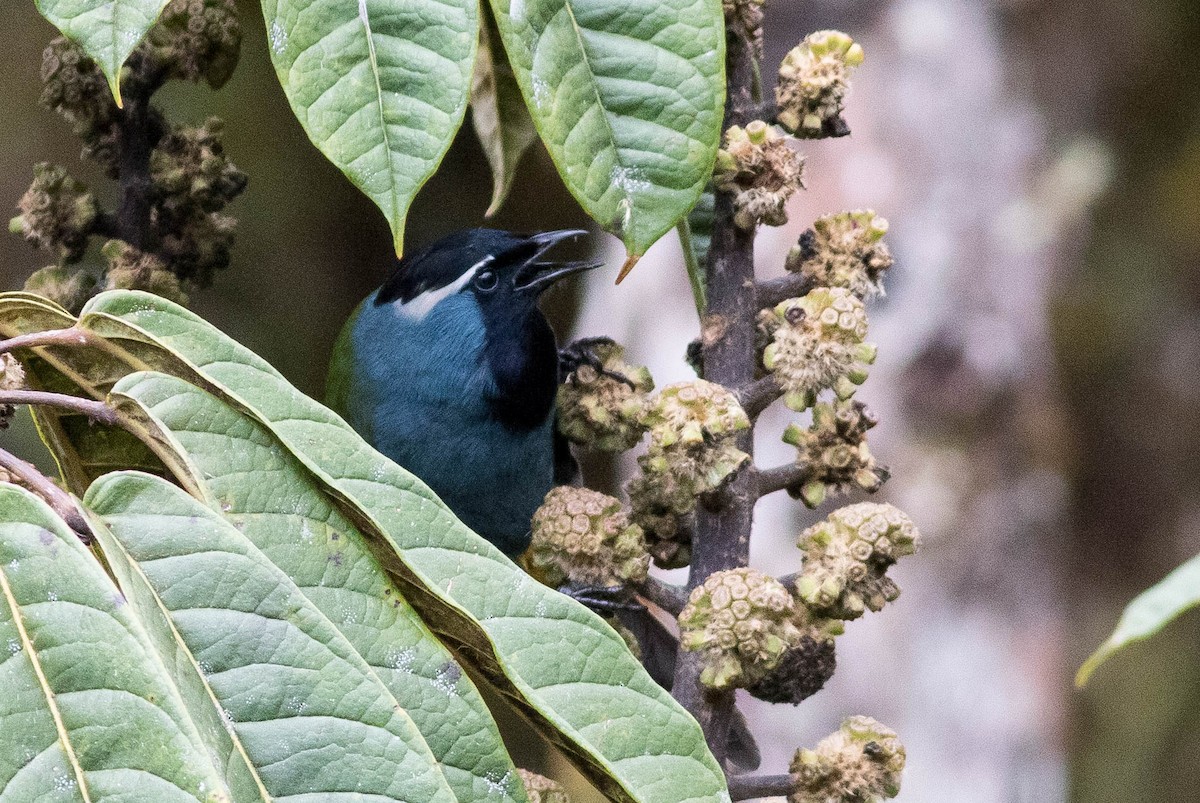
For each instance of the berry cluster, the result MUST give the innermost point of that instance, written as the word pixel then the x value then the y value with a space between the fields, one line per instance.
pixel 833 454
pixel 693 449
pixel 861 762
pixel 813 80
pixel 743 620
pixel 760 169
pixel 602 403
pixel 844 250
pixel 584 537
pixel 175 180
pixel 815 343
pixel 846 558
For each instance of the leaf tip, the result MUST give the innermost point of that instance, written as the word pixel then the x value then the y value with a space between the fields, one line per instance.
pixel 494 207
pixel 1093 663
pixel 630 261
pixel 114 84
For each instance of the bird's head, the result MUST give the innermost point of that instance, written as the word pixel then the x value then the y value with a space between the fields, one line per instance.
pixel 504 273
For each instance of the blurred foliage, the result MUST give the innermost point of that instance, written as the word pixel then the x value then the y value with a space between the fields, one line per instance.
pixel 1127 329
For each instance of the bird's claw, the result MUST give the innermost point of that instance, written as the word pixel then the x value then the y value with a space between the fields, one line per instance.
pixel 603 599
pixel 581 352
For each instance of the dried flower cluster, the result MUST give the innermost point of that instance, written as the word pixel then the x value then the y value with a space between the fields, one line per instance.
pixel 175 180
pixel 861 762
pixel 760 169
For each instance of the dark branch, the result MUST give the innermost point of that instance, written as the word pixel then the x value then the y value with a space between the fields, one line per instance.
pixel 96 411
pixel 752 787
pixel 722 535
pixel 774 291
pixel 780 478
pixel 671 598
pixel 59 500
pixel 133 167
pixel 759 395
pixel 106 226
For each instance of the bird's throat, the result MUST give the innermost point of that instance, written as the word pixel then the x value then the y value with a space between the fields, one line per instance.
pixel 523 361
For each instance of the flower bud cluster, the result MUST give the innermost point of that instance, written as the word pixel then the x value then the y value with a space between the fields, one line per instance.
pixel 540 789
pixel 859 763
pixel 813 80
pixel 199 39
pixel 132 269
pixel 601 405
pixel 57 212
pixel 834 453
pixel 12 377
pixel 844 250
pixel 761 171
pixel 74 86
pixel 189 168
pixel 194 180
pixel 846 558
pixel 67 287
pixel 743 622
pixel 584 537
pixel 804 668
pixel 693 426
pixel 816 342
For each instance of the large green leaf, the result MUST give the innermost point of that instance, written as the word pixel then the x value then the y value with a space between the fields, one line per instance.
pixel 87 709
pixel 628 97
pixel 313 718
pixel 107 30
pixel 380 86
pixel 498 113
pixel 561 663
pixel 275 503
pixel 1148 613
pixel 459 728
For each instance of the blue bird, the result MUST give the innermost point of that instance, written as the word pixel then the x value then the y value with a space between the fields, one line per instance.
pixel 451 370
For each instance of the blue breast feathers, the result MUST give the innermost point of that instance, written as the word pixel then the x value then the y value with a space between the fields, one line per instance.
pixel 422 388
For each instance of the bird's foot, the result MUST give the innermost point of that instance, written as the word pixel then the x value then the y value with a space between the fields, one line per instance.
pixel 582 352
pixel 603 599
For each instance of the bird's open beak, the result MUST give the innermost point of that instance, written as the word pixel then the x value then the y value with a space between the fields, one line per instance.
pixel 536 276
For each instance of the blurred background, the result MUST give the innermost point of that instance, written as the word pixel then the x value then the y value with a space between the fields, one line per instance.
pixel 1039 371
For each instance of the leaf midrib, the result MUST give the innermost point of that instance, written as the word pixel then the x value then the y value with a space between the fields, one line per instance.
pixel 27 644
pixel 136 568
pixel 363 17
pixel 612 136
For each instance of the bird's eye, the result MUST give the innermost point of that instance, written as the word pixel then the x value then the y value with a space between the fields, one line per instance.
pixel 486 281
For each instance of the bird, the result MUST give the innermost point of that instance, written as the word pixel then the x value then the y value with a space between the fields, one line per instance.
pixel 451 370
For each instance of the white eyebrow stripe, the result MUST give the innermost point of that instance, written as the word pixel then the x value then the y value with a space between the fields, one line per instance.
pixel 417 309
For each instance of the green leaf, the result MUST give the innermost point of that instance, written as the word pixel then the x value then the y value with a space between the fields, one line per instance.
pixel 311 716
pixel 628 97
pixel 107 30
pixel 498 112
pixel 87 711
pixel 567 669
pixel 283 512
pixel 1148 613
pixel 380 86
pixel 82 449
pixel 459 729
